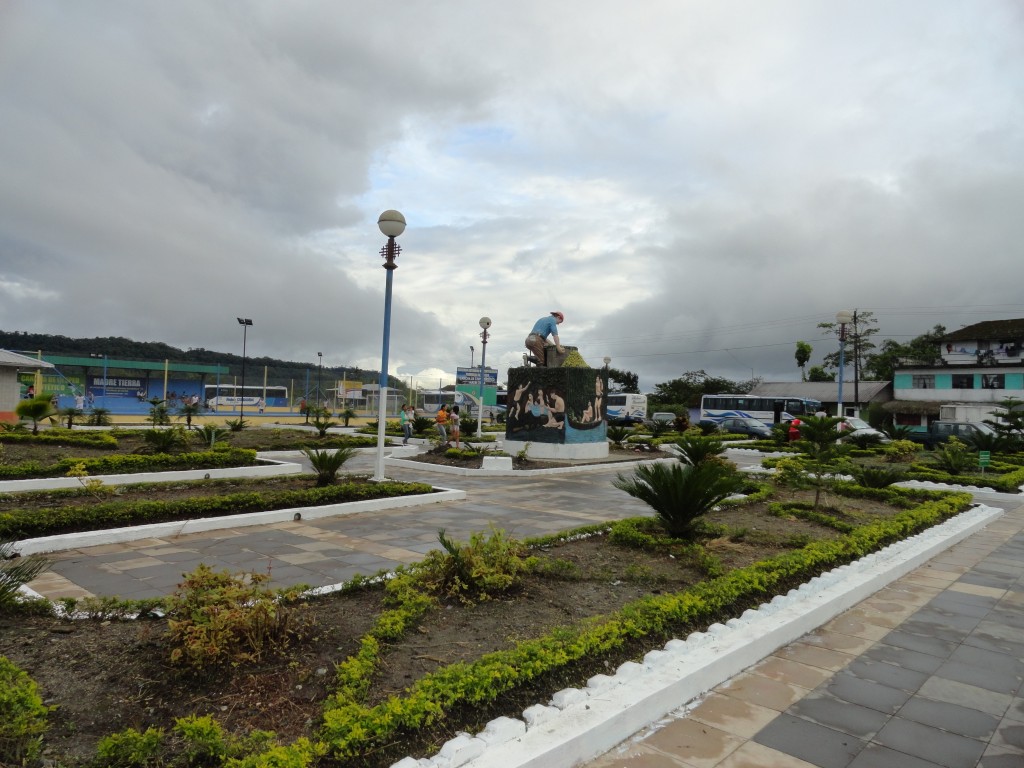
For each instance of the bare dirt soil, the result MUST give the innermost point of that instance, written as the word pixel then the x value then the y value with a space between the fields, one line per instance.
pixel 105 676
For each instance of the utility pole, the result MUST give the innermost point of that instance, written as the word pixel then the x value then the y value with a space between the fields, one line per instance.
pixel 856 363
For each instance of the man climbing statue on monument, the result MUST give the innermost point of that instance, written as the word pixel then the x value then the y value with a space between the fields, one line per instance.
pixel 537 340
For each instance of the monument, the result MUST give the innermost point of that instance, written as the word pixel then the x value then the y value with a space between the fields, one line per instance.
pixel 557 410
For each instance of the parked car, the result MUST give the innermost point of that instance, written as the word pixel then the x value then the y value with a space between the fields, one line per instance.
pixel 744 425
pixel 854 426
pixel 940 432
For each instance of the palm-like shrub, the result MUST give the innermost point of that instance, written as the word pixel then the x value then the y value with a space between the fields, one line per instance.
pixel 877 477
pixel 819 442
pixel 188 411
pixel 953 457
pixel 980 441
pixel 322 423
pixel 70 414
pixel 166 440
pixel 98 417
pixel 347 415
pixel 865 440
pixel 681 493
pixel 236 425
pixel 36 409
pixel 658 428
pixel 158 413
pixel 421 425
pixel 15 572
pixel 327 463
pixel 211 435
pixel 617 434
pixel 898 432
pixel 694 449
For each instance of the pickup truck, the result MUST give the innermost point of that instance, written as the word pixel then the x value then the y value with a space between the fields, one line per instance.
pixel 941 431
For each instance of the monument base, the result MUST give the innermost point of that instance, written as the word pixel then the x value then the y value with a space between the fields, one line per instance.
pixel 558 451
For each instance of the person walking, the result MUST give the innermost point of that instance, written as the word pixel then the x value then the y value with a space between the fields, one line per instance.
pixel 441 421
pixel 536 341
pixel 405 418
pixel 454 421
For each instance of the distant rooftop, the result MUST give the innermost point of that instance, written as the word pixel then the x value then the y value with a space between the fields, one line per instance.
pixel 989 330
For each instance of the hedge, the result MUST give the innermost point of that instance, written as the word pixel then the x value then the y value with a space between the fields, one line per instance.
pixel 132 463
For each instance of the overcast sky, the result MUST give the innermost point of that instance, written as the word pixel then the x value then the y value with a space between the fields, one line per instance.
pixel 694 184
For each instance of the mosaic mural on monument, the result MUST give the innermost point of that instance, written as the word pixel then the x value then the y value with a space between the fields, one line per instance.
pixel 562 402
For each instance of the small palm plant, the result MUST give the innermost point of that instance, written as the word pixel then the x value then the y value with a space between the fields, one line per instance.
pixel 158 413
pixel 954 457
pixel 15 572
pixel 616 435
pixel 322 423
pixel 166 440
pixel 211 435
pixel 98 417
pixel 36 409
pixel 697 449
pixel 346 415
pixel 189 411
pixel 326 463
pixel 681 493
pixel 819 442
pixel 70 414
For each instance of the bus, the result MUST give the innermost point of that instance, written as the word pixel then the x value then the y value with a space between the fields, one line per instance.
pixel 429 400
pixel 626 408
pixel 231 396
pixel 718 407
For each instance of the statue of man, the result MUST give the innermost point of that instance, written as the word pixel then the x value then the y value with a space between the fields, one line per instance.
pixel 537 340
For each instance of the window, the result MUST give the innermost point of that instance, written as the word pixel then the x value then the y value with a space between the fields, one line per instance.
pixel 923 381
pixel 963 381
pixel 993 381
pixel 907 419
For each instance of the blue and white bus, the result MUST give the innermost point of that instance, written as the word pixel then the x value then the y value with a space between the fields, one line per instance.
pixel 718 407
pixel 626 409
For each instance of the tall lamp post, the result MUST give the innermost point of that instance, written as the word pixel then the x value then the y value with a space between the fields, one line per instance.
pixel 843 317
pixel 485 323
pixel 245 322
pixel 391 225
pixel 319 370
pixel 471 355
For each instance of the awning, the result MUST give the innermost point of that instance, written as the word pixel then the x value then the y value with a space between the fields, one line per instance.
pixel 926 407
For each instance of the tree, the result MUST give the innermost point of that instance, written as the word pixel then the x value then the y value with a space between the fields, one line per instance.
pixel 818 373
pixel 924 349
pixel 803 354
pixel 857 345
pixel 688 388
pixel 819 443
pixel 625 381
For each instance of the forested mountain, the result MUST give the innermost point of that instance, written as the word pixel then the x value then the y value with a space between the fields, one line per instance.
pixel 120 348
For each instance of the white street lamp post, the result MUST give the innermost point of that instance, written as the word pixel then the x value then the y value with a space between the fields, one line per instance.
pixel 391 224
pixel 485 323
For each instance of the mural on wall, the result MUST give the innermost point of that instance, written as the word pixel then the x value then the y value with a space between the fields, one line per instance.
pixel 556 405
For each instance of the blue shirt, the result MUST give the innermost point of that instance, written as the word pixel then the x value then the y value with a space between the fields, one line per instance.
pixel 545 327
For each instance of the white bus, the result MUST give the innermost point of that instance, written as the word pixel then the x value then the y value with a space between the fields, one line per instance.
pixel 626 408
pixel 718 407
pixel 215 395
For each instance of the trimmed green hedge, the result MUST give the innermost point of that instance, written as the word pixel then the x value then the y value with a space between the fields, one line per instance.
pixel 23 524
pixel 61 437
pixel 130 463
pixel 1001 476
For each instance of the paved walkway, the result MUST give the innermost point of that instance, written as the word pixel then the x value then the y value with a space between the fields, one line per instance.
pixel 928 672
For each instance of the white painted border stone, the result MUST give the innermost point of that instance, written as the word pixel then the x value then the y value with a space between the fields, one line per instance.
pixel 465 472
pixel 684 670
pixel 170 530
pixel 268 468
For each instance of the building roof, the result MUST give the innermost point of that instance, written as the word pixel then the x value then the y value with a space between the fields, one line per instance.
pixel 136 365
pixel 825 391
pixel 989 330
pixel 14 360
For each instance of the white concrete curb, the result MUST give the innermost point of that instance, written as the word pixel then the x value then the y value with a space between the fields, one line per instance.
pixel 465 472
pixel 170 530
pixel 270 468
pixel 581 724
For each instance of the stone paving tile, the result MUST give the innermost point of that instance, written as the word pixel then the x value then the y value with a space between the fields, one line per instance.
pixel 921 643
pixel 772 694
pixel 950 717
pixel 793 672
pixel 754 755
pixel 840 715
pixel 927 743
pixel 694 743
pixel 740 718
pixel 818 745
pixel 903 658
pixel 966 695
pixel 815 657
pixel 866 693
pixel 889 675
pixel 877 756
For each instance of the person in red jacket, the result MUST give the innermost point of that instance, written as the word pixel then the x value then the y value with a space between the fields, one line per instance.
pixel 794 430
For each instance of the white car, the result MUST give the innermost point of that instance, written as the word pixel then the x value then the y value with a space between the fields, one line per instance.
pixel 854 426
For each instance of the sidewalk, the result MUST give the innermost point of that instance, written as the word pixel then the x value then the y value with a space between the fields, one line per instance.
pixel 927 673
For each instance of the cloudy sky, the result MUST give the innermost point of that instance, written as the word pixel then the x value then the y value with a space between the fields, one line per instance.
pixel 694 184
